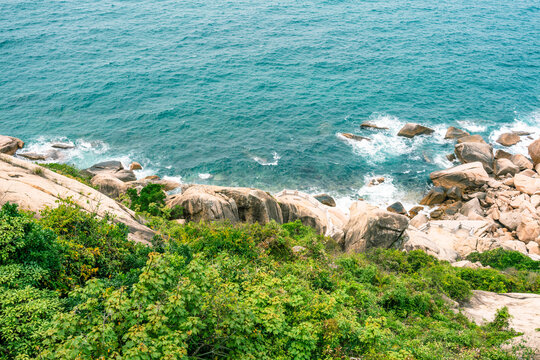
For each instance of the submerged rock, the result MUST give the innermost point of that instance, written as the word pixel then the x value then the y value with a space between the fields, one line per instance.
pixel 411 130
pixel 9 145
pixel 369 125
pixel 63 146
pixel 508 139
pixel 355 137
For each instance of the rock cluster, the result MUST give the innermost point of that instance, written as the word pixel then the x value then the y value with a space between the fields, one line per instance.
pixel 485 203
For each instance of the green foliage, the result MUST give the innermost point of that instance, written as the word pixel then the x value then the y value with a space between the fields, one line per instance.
pixel 504 259
pixel 151 200
pixel 228 291
pixel 69 171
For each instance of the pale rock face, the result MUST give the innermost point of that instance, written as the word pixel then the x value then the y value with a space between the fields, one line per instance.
pixel 418 240
pixel 462 176
pixel 504 167
pixel 514 245
pixel 419 220
pixel 471 138
pixel 533 248
pixel 526 184
pixel 469 152
pixel 455 133
pixel 326 220
pixel 528 230
pixel 510 219
pixel 9 145
pixel 109 185
pixel 204 204
pixel 523 308
pixel 370 226
pixel 33 187
pixel 534 151
pixel 521 162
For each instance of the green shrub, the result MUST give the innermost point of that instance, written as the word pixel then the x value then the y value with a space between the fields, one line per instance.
pixel 504 259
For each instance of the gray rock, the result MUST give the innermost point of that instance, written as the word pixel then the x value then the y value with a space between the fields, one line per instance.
pixel 469 152
pixel 397 208
pixel 436 195
pixel 370 227
pixel 326 200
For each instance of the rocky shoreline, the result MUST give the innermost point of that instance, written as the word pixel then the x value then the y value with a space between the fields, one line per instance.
pixel 487 200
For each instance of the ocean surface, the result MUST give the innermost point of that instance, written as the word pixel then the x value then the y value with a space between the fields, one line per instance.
pixel 255 93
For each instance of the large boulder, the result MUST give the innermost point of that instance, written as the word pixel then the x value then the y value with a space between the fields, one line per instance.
pixel 469 152
pixel 203 203
pixel 326 200
pixel 419 240
pixel 461 176
pixel 370 226
pixel 410 130
pixel 9 145
pixel 113 168
pixel 508 139
pixel 504 166
pixel 109 185
pixel 521 162
pixel 524 312
pixel 326 220
pixel 526 184
pixel 207 202
pixel 534 151
pixel 455 133
pixel 436 195
pixel 471 138
pixel 33 187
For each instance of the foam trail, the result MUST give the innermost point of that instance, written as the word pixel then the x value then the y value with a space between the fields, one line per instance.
pixel 265 162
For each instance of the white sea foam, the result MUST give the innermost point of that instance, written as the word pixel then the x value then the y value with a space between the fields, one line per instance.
pixel 205 176
pixel 386 193
pixel 471 125
pixel 529 123
pixel 265 162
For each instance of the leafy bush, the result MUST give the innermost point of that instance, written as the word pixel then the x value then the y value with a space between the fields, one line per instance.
pixel 151 200
pixel 504 259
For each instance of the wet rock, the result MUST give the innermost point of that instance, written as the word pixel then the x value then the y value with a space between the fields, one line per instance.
pixel 397 208
pixel 376 181
pixel 123 175
pixel 9 145
pixel 469 152
pixel 411 130
pixel 436 195
pixel 135 166
pixel 370 227
pixel 521 161
pixel 461 176
pixel 534 151
pixel 355 137
pixel 505 166
pixel 455 133
pixel 451 157
pixel 471 138
pixel 501 154
pixel 112 165
pixel 326 200
pixel 508 139
pixel 369 125
pixel 33 156
pixel 63 146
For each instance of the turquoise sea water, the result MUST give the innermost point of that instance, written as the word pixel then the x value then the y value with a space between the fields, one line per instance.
pixel 254 92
